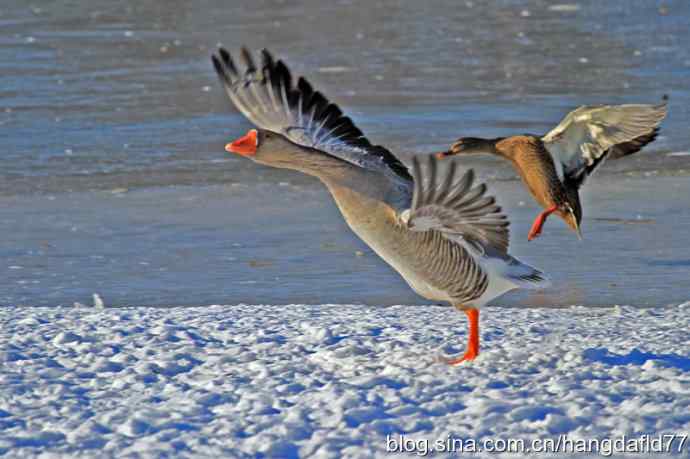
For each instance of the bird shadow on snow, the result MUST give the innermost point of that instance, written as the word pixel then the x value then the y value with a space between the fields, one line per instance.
pixel 636 357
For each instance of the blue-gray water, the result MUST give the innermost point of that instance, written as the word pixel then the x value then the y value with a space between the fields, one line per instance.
pixel 113 177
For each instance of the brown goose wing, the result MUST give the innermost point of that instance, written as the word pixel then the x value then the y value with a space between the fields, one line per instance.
pixel 267 95
pixel 455 207
pixel 589 134
pixel 578 176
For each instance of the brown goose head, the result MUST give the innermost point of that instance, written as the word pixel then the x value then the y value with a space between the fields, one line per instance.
pixel 572 215
pixel 471 146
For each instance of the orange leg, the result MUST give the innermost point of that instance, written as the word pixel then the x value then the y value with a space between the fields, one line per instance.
pixel 473 341
pixel 539 223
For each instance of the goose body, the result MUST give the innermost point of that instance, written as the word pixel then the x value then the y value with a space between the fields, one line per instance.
pixel 554 166
pixel 434 267
pixel 440 232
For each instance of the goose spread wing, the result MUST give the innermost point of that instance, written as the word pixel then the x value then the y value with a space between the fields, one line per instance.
pixel 590 134
pixel 267 95
pixel 454 206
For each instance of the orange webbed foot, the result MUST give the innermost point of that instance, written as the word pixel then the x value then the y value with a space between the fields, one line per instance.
pixel 470 354
pixel 538 224
pixel 533 234
pixel 535 231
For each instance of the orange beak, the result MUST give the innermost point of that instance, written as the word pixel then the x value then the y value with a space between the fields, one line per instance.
pixel 245 146
pixel 442 154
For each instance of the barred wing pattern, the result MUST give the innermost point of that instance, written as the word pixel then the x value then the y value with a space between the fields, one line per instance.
pixel 268 97
pixel 453 206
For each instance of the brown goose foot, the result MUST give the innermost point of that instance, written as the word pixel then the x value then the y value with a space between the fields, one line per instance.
pixel 472 342
pixel 535 231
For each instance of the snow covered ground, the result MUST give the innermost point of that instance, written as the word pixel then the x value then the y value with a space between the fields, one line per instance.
pixel 331 380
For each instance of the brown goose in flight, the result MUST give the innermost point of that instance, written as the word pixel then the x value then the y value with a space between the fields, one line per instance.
pixel 555 166
pixel 442 233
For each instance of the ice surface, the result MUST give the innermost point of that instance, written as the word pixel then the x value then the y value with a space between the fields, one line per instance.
pixel 188 246
pixel 330 380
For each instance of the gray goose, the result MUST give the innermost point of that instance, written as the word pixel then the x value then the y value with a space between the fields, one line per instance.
pixel 440 232
pixel 556 165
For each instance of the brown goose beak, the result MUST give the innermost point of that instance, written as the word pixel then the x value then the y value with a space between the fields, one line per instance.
pixel 574 225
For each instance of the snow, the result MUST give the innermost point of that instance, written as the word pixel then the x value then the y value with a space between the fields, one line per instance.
pixel 331 380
